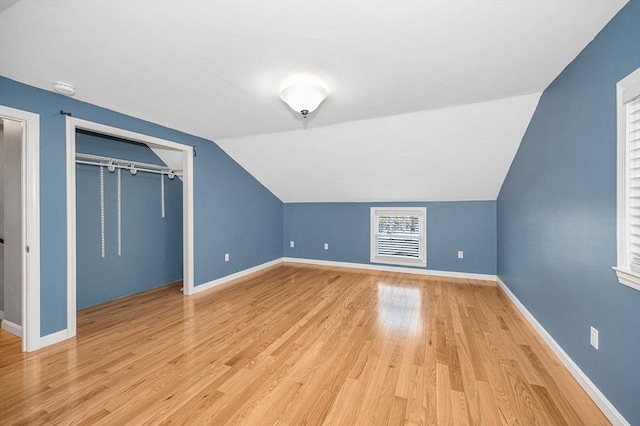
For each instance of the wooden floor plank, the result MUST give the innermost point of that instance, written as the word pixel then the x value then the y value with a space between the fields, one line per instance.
pixel 298 344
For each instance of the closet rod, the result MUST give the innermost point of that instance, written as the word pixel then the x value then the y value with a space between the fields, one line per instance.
pixel 97 160
pixel 138 169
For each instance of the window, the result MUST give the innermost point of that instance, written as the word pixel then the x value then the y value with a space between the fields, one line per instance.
pixel 628 111
pixel 399 235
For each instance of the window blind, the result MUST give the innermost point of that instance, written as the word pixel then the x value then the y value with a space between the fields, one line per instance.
pixel 632 119
pixel 399 235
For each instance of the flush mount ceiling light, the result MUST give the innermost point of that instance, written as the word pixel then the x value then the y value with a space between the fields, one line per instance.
pixel 64 88
pixel 303 98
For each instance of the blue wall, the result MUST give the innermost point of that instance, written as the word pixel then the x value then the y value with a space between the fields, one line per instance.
pixel 557 216
pixel 234 213
pixel 151 245
pixel 451 226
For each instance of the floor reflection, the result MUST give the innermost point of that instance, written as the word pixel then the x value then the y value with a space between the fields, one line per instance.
pixel 399 308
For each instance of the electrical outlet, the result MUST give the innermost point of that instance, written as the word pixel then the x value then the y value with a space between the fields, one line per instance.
pixel 593 338
pixel 326 246
pixel 292 244
pixel 460 254
pixel 226 257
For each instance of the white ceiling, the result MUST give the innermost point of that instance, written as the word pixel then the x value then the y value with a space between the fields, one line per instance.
pixel 457 153
pixel 214 69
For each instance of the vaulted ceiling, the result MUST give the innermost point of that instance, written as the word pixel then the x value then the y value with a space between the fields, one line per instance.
pixel 428 100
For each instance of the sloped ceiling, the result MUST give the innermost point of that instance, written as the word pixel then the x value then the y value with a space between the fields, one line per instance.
pixel 214 69
pixel 170 157
pixel 458 153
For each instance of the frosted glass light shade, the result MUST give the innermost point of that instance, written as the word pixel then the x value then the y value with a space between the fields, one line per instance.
pixel 303 98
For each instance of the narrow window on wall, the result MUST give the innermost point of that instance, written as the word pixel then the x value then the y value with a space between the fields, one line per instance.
pixel 628 111
pixel 399 235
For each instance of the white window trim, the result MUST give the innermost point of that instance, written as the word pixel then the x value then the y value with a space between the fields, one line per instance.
pixel 626 89
pixel 375 258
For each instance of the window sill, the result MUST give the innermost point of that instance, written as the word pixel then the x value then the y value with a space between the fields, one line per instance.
pixel 399 262
pixel 628 278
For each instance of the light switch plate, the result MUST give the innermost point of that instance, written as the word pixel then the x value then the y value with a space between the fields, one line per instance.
pixel 593 337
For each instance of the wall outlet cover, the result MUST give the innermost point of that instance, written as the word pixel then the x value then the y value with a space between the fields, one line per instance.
pixel 292 243
pixel 226 257
pixel 460 254
pixel 326 246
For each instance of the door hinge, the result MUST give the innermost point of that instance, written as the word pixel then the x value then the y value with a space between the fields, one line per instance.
pixel 26 249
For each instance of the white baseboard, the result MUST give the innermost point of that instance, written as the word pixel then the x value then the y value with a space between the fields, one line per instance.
pixel 53 338
pixel 590 388
pixel 239 274
pixel 448 274
pixel 245 272
pixel 12 328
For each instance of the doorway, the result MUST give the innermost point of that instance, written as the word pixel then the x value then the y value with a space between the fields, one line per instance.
pixel 185 154
pixel 20 228
pixel 128 218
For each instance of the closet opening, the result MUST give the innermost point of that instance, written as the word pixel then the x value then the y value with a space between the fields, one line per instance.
pixel 129 215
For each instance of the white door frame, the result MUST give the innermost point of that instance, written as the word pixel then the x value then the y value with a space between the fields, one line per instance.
pixel 30 190
pixel 74 124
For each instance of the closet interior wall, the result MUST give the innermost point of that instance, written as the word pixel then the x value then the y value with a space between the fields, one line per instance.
pixel 138 249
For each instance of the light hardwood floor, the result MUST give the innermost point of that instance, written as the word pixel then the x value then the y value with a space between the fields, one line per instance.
pixel 298 345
